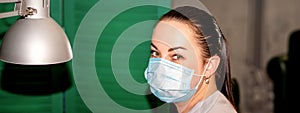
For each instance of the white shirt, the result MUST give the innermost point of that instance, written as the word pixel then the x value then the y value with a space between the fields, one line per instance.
pixel 215 103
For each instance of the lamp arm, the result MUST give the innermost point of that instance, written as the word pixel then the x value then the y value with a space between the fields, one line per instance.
pixel 9 1
pixel 18 10
pixel 9 14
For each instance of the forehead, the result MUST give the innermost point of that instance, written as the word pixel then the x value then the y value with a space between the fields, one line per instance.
pixel 173 33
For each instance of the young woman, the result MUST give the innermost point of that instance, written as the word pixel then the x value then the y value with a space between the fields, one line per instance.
pixel 189 64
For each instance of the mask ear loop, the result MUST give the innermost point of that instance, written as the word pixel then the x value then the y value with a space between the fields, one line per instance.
pixel 206 78
pixel 203 74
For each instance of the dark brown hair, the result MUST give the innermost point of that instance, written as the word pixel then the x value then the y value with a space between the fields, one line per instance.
pixel 210 39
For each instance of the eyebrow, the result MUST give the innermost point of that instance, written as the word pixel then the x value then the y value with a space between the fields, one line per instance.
pixel 175 48
pixel 153 46
pixel 171 49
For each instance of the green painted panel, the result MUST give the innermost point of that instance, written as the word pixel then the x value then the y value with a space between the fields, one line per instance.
pixel 136 61
pixel 74 12
pixel 39 89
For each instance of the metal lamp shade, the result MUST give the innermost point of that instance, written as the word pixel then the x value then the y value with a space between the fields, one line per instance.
pixel 35 42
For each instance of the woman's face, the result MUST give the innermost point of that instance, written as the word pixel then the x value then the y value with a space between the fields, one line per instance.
pixel 174 41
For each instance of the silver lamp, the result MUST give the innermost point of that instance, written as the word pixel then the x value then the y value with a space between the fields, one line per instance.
pixel 35 39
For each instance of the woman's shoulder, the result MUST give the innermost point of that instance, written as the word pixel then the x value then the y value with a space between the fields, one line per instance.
pixel 222 105
pixel 215 103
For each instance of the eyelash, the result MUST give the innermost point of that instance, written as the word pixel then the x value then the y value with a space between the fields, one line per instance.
pixel 154 54
pixel 174 57
pixel 179 57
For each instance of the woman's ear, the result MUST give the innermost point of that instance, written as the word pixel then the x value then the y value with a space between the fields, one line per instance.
pixel 212 66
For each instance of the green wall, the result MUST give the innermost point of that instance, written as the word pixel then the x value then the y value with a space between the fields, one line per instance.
pixel 52 89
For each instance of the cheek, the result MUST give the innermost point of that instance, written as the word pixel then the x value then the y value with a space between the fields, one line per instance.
pixel 193 61
pixel 196 80
pixel 193 57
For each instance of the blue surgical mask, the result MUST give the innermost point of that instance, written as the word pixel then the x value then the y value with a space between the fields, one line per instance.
pixel 170 82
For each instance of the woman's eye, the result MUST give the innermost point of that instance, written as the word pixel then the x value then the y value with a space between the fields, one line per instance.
pixel 177 57
pixel 154 54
